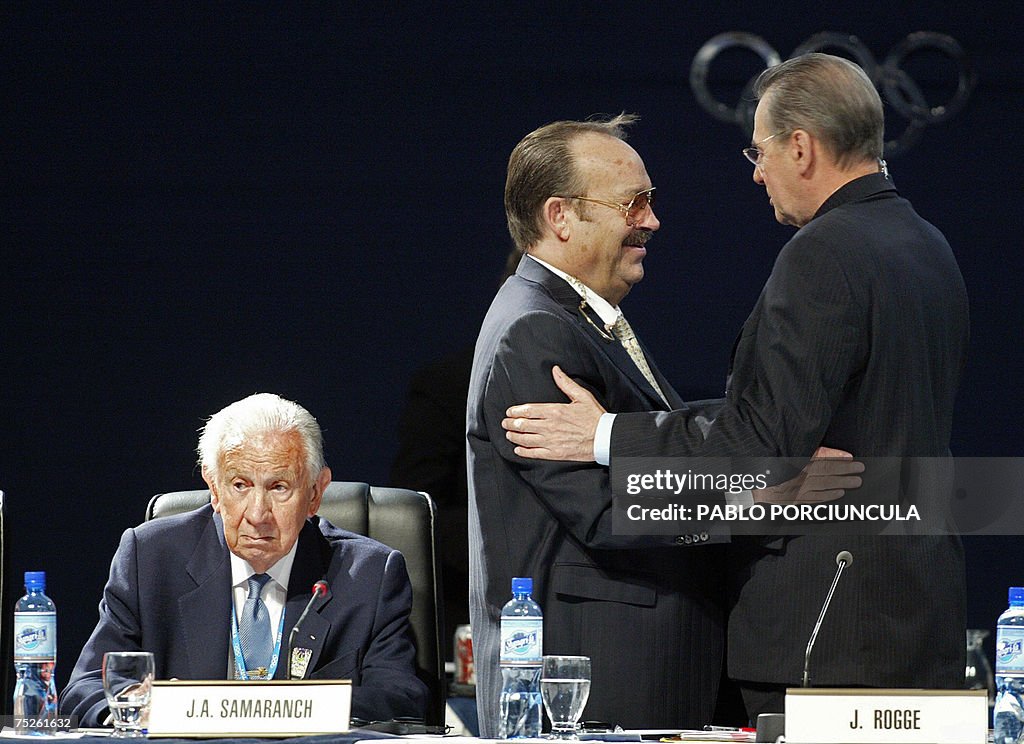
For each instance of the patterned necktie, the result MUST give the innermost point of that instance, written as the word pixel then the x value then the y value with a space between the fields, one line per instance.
pixel 624 332
pixel 254 629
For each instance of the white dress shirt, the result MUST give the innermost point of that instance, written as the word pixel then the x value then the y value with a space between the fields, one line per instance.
pixel 274 594
pixel 604 309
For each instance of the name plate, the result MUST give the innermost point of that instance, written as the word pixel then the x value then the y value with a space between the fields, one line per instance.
pixel 233 708
pixel 867 716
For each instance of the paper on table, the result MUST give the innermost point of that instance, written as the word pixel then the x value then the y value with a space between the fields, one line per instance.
pixel 719 735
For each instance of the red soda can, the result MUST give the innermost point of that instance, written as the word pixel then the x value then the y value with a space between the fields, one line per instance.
pixel 465 672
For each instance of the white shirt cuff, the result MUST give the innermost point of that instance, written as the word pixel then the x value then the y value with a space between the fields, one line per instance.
pixel 603 439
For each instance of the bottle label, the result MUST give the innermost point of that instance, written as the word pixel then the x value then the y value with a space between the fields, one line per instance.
pixel 522 640
pixel 35 636
pixel 1010 649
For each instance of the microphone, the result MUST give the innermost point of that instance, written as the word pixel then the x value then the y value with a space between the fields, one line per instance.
pixel 843 559
pixel 319 588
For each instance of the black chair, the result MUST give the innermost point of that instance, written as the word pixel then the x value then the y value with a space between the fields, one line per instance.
pixel 399 518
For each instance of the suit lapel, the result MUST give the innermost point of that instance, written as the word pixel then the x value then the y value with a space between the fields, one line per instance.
pixel 591 323
pixel 204 613
pixel 674 401
pixel 309 567
pixel 617 353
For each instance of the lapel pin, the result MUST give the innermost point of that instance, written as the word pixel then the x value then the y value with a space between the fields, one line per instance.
pixel 300 660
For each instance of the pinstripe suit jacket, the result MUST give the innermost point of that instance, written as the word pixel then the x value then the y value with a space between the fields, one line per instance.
pixel 641 608
pixel 857 341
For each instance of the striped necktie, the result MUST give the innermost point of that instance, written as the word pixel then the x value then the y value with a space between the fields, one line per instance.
pixel 254 629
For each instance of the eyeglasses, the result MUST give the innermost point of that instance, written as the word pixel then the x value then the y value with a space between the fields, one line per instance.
pixel 633 211
pixel 754 153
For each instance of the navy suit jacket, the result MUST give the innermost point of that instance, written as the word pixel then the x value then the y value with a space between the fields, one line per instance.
pixel 169 592
pixel 642 607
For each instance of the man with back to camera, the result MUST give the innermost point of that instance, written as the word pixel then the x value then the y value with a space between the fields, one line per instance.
pixel 578 201
pixel 858 340
pixel 182 586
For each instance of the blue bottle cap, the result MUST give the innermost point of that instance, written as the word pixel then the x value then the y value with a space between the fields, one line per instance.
pixel 522 585
pixel 35 580
pixel 1017 595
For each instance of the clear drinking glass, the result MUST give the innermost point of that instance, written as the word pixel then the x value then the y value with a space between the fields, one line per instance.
pixel 564 688
pixel 128 684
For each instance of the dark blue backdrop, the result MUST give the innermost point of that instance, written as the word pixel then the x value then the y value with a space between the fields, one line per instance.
pixel 203 203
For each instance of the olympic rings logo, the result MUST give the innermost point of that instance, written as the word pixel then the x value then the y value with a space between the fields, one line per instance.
pixel 899 90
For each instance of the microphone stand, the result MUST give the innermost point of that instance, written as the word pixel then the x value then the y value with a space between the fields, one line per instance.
pixel 319 588
pixel 843 559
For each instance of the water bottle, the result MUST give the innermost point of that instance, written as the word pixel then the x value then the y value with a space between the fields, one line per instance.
pixel 522 649
pixel 35 654
pixel 1008 715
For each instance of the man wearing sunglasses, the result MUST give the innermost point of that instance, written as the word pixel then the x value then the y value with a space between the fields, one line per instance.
pixel 579 204
pixel 858 340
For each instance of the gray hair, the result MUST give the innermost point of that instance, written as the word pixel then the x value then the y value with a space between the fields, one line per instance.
pixel 252 417
pixel 542 165
pixel 832 98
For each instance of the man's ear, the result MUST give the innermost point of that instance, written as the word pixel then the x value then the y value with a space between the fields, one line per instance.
pixel 557 216
pixel 322 481
pixel 212 485
pixel 804 150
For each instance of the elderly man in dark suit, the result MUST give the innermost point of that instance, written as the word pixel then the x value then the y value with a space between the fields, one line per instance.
pixel 858 340
pixel 578 201
pixel 214 593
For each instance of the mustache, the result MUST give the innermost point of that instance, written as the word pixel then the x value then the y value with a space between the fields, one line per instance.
pixel 637 237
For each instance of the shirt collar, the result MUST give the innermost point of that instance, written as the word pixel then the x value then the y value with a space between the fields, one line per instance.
pixel 604 309
pixel 855 190
pixel 279 572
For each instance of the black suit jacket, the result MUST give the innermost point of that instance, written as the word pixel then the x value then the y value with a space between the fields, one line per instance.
pixel 857 341
pixel 169 592
pixel 639 607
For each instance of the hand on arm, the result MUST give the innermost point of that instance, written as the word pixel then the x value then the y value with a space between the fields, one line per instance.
pixel 828 476
pixel 556 431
